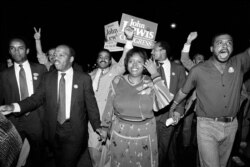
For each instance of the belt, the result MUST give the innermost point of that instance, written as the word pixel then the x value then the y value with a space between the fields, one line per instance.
pixel 224 119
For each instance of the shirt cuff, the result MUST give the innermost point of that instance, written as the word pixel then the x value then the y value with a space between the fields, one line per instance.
pixel 186 47
pixel 129 44
pixel 16 107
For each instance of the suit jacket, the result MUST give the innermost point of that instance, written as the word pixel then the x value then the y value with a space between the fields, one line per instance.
pixel 83 104
pixel 177 80
pixel 9 93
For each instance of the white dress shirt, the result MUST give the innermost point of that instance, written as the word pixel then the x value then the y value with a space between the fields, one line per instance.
pixel 167 70
pixel 29 80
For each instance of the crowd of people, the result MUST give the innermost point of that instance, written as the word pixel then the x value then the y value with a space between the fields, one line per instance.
pixel 119 113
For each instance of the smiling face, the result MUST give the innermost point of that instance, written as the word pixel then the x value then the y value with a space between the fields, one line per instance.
pixel 18 50
pixel 222 47
pixel 63 58
pixel 135 65
pixel 104 59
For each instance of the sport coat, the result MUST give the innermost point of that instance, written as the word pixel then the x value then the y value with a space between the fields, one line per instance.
pixel 177 80
pixel 83 104
pixel 9 93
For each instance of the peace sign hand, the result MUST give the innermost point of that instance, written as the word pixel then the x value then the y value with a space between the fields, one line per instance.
pixel 37 34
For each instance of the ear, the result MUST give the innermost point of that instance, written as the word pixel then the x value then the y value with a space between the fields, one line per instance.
pixel 27 51
pixel 72 59
pixel 211 49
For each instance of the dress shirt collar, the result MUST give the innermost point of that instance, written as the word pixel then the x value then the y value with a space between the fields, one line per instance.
pixel 68 72
pixel 165 61
pixel 25 65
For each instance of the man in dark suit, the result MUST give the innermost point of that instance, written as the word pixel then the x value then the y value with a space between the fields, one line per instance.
pixel 28 125
pixel 65 131
pixel 174 76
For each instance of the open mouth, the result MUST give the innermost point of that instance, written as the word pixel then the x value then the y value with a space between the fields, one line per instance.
pixel 223 53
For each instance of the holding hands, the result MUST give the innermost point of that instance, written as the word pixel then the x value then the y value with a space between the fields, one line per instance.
pixel 102 135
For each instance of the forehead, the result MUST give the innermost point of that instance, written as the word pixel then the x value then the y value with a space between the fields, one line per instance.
pixel 199 57
pixel 62 49
pixel 103 54
pixel 136 56
pixel 51 50
pixel 16 43
pixel 157 46
pixel 224 37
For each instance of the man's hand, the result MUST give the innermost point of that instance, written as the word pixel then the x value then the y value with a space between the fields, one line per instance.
pixel 37 34
pixel 191 37
pixel 176 117
pixel 102 135
pixel 6 109
pixel 129 32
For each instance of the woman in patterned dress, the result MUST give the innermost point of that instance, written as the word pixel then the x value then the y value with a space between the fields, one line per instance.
pixel 128 115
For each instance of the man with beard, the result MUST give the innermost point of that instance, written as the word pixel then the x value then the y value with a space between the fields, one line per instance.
pixel 218 83
pixel 102 76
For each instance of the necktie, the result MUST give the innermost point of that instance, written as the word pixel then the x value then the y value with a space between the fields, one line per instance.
pixel 162 73
pixel 23 83
pixel 61 115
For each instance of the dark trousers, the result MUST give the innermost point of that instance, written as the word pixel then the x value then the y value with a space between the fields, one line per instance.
pixel 67 147
pixel 164 135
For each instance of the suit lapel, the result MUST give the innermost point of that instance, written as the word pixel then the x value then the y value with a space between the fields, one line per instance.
pixel 54 87
pixel 172 77
pixel 13 82
pixel 75 86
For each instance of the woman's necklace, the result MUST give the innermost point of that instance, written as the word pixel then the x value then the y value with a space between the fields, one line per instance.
pixel 134 83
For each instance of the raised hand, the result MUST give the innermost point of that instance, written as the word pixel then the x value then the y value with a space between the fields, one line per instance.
pixel 129 32
pixel 37 34
pixel 192 36
pixel 151 66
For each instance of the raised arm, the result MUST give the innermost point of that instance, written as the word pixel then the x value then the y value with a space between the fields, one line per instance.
pixel 42 58
pixel 37 37
pixel 162 95
pixel 185 59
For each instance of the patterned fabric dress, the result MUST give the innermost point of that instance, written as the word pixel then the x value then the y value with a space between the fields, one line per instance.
pixel 129 115
pixel 10 143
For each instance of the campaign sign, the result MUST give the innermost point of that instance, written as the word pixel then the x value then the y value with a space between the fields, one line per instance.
pixel 111 31
pixel 144 31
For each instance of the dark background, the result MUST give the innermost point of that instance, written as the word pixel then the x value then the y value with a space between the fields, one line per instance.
pixel 81 24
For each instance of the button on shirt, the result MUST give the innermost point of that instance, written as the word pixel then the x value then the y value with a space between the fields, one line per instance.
pixel 29 80
pixel 68 82
pixel 218 94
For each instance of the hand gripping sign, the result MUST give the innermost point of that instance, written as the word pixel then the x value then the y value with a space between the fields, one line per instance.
pixel 145 31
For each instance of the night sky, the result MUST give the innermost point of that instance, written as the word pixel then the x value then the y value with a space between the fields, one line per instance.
pixel 82 25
